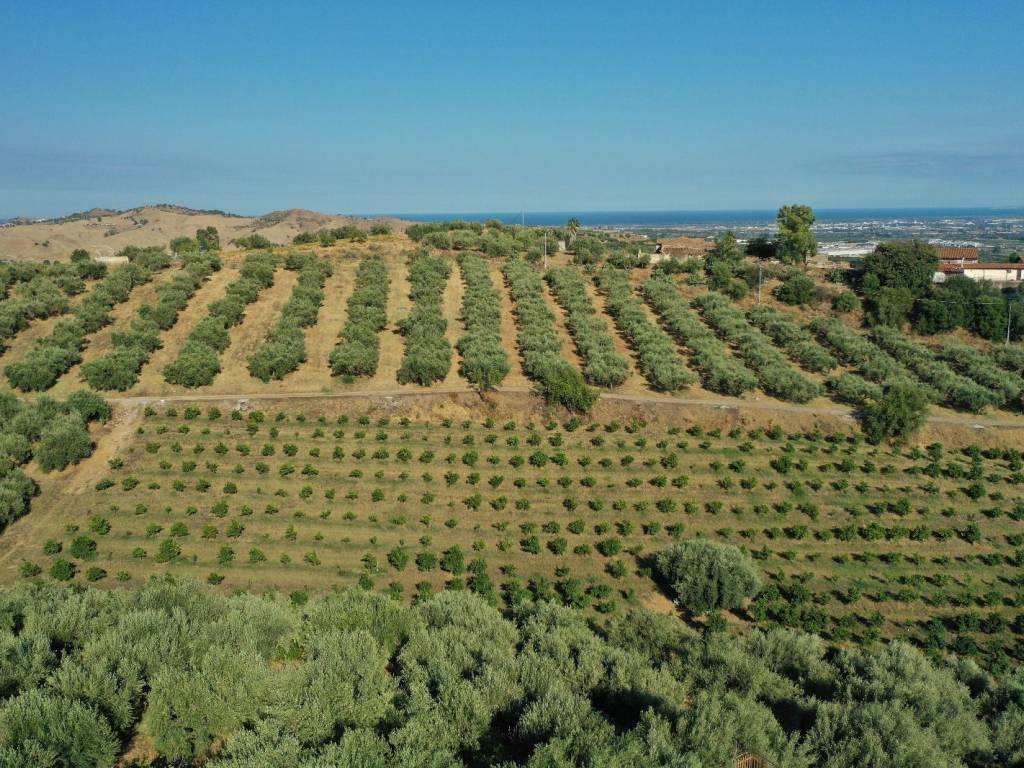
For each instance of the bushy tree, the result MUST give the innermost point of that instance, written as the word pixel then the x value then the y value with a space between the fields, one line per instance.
pixel 208 239
pixel 896 415
pixel 797 289
pixel 908 264
pixel 795 243
pixel 196 365
pixel 43 729
pixel 65 441
pixel 707 576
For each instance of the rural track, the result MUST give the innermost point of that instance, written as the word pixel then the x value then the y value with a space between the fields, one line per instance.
pixel 719 405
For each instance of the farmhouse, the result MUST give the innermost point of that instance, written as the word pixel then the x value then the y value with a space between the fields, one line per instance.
pixel 684 246
pixel 1003 272
pixel 681 248
pixel 960 256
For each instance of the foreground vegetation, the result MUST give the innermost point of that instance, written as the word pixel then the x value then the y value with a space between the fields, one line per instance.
pixel 184 676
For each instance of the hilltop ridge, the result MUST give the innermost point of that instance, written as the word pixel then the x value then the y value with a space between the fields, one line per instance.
pixel 104 231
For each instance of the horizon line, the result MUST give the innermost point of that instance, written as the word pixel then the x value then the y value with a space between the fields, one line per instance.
pixel 572 211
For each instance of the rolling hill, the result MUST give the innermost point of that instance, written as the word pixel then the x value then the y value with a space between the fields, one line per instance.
pixel 104 232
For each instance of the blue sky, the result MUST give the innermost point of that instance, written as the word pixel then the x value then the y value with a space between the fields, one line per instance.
pixel 477 106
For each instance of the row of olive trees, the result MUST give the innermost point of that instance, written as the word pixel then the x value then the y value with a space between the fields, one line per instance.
pixel 774 373
pixel 719 370
pixel 603 366
pixel 484 361
pixel 492 237
pixel 53 433
pixel 198 362
pixel 659 360
pixel 986 371
pixel 284 349
pixel 538 340
pixel 795 339
pixel 1009 357
pixel 428 355
pixel 120 368
pixel 52 356
pixel 358 352
pixel 35 291
pixel 957 391
pixel 872 363
pixel 359 679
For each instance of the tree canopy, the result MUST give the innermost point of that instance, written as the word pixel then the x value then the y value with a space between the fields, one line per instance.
pixel 795 243
pixel 897 414
pixel 359 679
pixel 706 576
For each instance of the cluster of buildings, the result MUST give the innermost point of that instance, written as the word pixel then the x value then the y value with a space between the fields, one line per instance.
pixel 964 261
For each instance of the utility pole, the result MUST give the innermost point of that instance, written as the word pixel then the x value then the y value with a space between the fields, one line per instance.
pixel 759 282
pixel 1009 315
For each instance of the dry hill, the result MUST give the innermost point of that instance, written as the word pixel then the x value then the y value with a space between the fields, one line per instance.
pixel 104 232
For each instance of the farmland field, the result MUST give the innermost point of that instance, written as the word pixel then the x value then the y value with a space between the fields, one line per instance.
pixel 855 541
pixel 387 417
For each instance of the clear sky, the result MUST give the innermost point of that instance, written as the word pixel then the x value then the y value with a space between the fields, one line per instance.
pixel 480 106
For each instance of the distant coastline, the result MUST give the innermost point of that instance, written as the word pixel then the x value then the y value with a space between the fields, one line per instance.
pixel 683 218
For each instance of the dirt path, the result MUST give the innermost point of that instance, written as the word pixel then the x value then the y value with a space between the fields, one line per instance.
pixel 18 345
pixel 322 337
pixel 101 342
pixel 451 308
pixel 636 381
pixel 248 336
pixel 392 344
pixel 509 331
pixel 569 351
pixel 24 538
pixel 151 381
pixel 653 399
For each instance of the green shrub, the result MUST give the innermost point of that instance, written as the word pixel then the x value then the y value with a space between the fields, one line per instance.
pixel 706 576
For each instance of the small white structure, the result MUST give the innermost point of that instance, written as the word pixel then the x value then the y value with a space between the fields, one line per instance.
pixel 1002 272
pixel 997 273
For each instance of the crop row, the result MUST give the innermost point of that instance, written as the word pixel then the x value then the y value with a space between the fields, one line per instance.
pixel 719 370
pixel 54 355
pixel 198 363
pixel 484 360
pixel 284 348
pixel 797 341
pixel 358 352
pixel 603 366
pixel 538 340
pixel 120 368
pixel 1010 358
pixel 980 367
pixel 774 373
pixel 955 390
pixel 41 290
pixel 428 355
pixel 873 363
pixel 52 433
pixel 659 360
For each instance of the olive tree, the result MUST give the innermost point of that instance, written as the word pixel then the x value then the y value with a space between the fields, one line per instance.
pixel 707 576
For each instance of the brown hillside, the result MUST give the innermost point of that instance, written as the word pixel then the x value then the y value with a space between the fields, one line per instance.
pixel 104 232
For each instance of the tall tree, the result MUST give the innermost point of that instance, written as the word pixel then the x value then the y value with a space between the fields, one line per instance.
pixel 796 243
pixel 208 239
pixel 903 264
pixel 726 250
pixel 573 225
